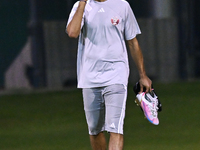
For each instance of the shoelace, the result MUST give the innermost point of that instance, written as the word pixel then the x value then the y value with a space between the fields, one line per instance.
pixel 154 106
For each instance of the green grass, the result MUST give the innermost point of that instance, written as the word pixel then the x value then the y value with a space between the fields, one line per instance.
pixel 56 121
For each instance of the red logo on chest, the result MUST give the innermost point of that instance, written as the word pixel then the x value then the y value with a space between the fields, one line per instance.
pixel 115 21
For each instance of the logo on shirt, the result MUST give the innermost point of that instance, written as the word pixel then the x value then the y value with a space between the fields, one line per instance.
pixel 115 21
pixel 101 10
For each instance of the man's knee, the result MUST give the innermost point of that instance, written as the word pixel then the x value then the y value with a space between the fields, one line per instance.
pixel 95 128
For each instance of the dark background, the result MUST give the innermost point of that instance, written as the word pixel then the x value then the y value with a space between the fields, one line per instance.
pixel 15 16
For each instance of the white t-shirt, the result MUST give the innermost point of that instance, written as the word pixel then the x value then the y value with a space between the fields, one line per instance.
pixel 102 56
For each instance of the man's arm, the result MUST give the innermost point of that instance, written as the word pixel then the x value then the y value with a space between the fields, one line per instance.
pixel 137 56
pixel 74 27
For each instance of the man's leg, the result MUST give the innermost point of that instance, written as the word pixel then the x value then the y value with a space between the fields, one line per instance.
pixel 98 142
pixel 95 115
pixel 116 141
pixel 115 101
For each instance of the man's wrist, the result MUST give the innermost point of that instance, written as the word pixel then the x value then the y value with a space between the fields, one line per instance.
pixel 142 74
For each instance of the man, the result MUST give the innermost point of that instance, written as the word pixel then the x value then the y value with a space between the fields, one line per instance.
pixel 103 26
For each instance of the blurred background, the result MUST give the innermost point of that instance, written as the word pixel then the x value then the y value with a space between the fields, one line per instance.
pixel 35 51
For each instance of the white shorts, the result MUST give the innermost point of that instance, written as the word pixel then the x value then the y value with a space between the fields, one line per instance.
pixel 105 108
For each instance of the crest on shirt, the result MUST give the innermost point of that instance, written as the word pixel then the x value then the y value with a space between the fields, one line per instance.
pixel 115 21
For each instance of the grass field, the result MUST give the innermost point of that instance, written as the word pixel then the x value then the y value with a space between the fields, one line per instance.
pixel 56 121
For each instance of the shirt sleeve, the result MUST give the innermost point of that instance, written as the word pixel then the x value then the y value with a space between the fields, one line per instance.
pixel 73 11
pixel 131 25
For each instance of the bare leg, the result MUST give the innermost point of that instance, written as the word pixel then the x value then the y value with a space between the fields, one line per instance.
pixel 116 141
pixel 98 142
